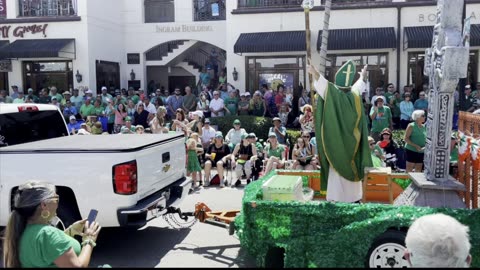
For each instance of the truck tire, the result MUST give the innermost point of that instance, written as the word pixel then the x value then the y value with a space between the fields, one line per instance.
pixel 275 258
pixel 387 251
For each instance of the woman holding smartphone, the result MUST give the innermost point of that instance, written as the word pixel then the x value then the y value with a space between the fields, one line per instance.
pixel 30 240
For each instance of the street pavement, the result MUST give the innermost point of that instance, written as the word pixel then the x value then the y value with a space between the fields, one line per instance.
pixel 158 245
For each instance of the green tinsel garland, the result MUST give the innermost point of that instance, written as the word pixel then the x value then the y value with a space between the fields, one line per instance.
pixel 324 234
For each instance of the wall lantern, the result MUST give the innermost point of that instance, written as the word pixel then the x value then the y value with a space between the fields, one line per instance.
pixel 132 75
pixel 78 76
pixel 235 74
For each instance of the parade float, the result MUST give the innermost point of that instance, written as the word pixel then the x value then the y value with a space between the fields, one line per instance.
pixel 285 220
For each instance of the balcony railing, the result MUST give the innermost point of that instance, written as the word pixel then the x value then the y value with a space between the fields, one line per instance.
pixel 269 3
pixel 209 10
pixel 246 4
pixel 47 8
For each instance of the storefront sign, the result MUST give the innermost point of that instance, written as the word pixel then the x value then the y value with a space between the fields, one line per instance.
pixel 5 65
pixel 184 28
pixel 3 8
pixel 20 31
pixel 432 17
pixel 276 79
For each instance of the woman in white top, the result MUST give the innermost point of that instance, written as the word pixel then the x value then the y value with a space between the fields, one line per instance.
pixel 234 135
pixel 157 125
pixel 204 105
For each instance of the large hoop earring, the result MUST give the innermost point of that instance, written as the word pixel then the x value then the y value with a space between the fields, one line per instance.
pixel 45 214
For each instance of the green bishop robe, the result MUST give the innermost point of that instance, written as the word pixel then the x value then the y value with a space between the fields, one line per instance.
pixel 342 135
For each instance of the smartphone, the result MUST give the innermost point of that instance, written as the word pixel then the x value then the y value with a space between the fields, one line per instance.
pixel 92 216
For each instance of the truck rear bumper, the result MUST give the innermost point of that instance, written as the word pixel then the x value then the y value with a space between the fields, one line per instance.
pixel 155 204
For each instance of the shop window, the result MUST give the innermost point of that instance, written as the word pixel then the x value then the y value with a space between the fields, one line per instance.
pixel 44 74
pixel 416 64
pixel 159 11
pixel 273 71
pixel 209 10
pixel 47 8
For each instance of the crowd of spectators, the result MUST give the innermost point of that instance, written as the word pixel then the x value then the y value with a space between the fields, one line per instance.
pixel 135 111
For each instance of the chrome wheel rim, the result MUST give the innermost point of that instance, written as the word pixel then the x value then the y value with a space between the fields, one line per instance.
pixel 388 255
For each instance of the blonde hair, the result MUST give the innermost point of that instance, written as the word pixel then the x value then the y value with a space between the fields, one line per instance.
pixel 191 144
pixel 26 202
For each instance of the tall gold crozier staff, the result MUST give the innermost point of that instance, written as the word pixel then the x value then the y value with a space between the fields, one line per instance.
pixel 307 6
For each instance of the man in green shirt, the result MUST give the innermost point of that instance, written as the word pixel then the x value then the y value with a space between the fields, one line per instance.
pixel 381 117
pixel 132 96
pixel 54 93
pixel 189 101
pixel 389 94
pixel 87 109
pixel 20 98
pixel 231 103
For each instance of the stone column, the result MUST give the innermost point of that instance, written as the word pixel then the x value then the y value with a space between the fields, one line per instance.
pixel 445 63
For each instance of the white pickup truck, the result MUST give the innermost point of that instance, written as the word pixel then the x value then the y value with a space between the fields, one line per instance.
pixel 129 179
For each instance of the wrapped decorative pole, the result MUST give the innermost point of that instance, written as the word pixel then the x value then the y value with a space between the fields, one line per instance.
pixel 445 63
pixel 326 27
pixel 307 5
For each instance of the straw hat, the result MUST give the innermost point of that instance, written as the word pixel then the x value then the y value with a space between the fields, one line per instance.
pixel 307 106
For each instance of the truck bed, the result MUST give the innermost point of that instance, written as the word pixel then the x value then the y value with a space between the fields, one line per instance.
pixel 94 143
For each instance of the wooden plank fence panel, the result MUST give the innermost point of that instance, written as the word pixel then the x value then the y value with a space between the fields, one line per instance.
pixel 469 124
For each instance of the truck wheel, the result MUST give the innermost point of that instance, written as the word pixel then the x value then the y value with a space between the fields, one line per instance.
pixel 275 258
pixel 388 251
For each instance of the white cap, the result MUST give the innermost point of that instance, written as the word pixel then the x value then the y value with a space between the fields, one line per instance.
pixel 89 91
pixel 199 113
pixel 104 88
pixel 82 131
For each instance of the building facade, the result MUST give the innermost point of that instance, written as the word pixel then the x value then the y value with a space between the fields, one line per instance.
pixel 113 43
pixel 151 44
pixel 390 36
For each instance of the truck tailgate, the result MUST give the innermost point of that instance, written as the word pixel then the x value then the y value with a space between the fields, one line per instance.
pixel 160 165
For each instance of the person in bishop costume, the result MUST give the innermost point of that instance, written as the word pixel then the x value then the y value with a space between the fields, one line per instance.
pixel 342 133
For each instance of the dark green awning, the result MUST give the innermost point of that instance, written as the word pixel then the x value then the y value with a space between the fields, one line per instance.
pixel 39 48
pixel 422 36
pixel 359 38
pixel 286 41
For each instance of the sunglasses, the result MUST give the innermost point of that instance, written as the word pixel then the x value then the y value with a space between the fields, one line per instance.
pixel 305 136
pixel 372 143
pixel 54 198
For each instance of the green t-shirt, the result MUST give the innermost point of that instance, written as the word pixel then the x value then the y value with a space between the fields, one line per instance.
pixel 134 98
pixel 98 110
pixel 232 105
pixel 87 110
pixel 382 120
pixel 388 96
pixel 190 102
pixel 418 137
pixel 395 103
pixel 41 245
pixel 275 152
pixel 454 155
pixel 377 162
